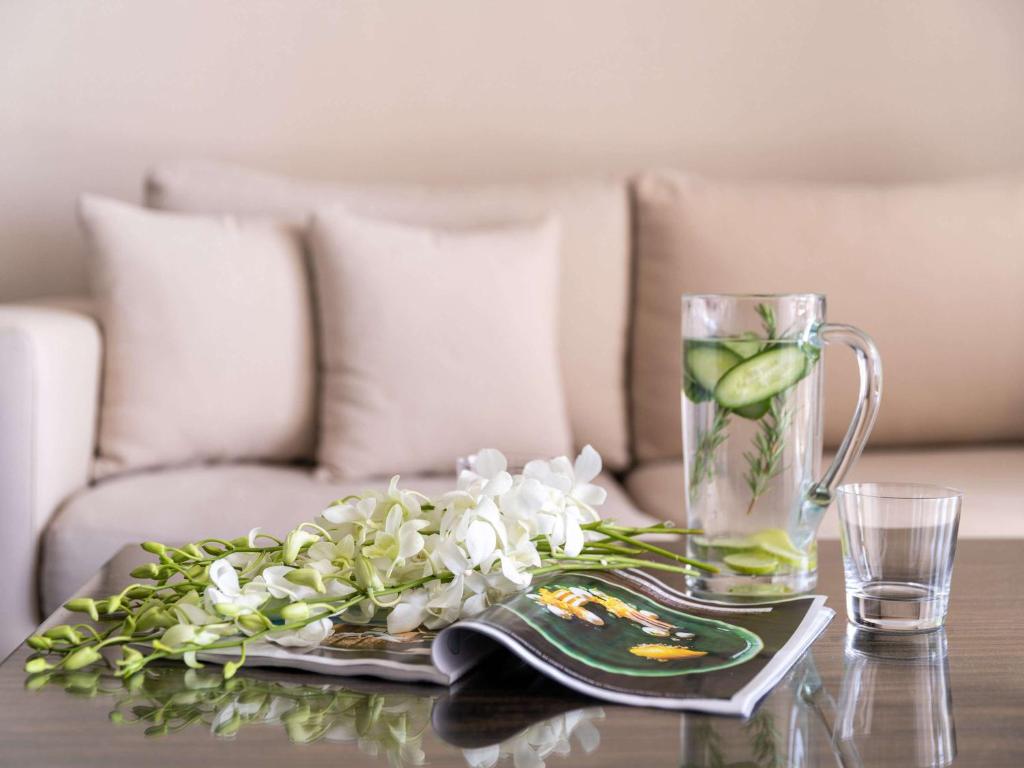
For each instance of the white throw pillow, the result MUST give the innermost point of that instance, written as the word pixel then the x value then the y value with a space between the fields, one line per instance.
pixel 208 348
pixel 435 343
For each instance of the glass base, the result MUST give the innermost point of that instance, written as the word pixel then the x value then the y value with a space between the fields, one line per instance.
pixel 724 586
pixel 895 607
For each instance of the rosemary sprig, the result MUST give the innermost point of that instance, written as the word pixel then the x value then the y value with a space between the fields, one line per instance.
pixel 765 463
pixel 767 315
pixel 708 441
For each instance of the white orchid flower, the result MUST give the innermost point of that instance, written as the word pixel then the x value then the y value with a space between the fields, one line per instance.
pixel 399 540
pixel 225 594
pixel 358 512
pixel 445 602
pixel 309 636
pixel 488 477
pixel 586 468
pixel 475 597
pixel 188 634
pixel 279 586
pixel 410 612
pixel 242 560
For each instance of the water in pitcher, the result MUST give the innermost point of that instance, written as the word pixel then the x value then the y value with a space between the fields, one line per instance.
pixel 752 447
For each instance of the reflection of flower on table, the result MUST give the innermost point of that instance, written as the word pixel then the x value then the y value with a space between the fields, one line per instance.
pixel 167 699
pixel 532 746
pixel 164 700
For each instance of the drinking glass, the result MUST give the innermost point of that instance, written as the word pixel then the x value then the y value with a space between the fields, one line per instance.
pixel 895 706
pixel 898 543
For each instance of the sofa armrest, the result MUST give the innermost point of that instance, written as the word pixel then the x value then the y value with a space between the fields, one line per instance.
pixel 49 387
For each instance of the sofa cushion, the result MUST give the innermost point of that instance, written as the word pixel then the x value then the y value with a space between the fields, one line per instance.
pixel 933 272
pixel 595 280
pixel 991 477
pixel 434 343
pixel 179 505
pixel 208 337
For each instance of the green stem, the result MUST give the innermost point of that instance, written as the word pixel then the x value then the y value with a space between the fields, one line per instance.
pixel 658 550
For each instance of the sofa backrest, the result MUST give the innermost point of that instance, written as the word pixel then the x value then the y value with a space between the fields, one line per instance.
pixel 935 273
pixel 595 284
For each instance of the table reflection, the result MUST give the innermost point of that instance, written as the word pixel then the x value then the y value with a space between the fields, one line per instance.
pixel 381 719
pixel 895 706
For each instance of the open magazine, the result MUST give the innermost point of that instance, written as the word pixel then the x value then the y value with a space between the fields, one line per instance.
pixel 620 636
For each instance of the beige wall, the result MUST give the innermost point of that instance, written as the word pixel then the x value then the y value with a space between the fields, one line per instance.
pixel 93 92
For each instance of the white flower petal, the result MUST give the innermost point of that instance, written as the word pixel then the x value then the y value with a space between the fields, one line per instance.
pixel 224 576
pixel 410 541
pixel 308 636
pixel 573 538
pixel 489 462
pixel 409 613
pixel 480 541
pixel 587 466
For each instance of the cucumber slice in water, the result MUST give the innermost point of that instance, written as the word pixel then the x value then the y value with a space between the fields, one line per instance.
pixel 752 563
pixel 746 346
pixel 755 411
pixel 761 377
pixel 707 363
pixel 694 391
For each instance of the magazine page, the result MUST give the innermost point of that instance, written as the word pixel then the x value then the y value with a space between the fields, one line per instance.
pixel 627 638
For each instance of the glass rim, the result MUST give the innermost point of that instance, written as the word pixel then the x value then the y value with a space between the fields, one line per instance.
pixel 791 295
pixel 924 491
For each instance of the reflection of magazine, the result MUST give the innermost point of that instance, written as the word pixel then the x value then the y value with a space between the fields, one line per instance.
pixel 623 636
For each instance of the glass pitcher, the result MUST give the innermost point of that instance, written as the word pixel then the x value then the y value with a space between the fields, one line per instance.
pixel 752 436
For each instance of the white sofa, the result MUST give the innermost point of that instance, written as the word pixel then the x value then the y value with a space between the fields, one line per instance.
pixel 59 524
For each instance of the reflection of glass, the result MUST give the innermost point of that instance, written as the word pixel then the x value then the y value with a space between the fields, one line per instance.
pixel 898 545
pixel 752 435
pixel 895 706
pixel 788 728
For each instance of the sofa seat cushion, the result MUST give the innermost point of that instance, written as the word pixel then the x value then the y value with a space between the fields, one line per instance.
pixel 991 477
pixel 184 504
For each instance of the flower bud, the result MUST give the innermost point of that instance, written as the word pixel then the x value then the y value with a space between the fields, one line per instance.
pixel 294 543
pixel 83 657
pixel 83 605
pixel 192 551
pixel 366 575
pixel 228 610
pixel 153 617
pixel 252 622
pixel 147 571
pixel 65 633
pixel 230 668
pixel 113 604
pixel 154 547
pixel 40 643
pixel 295 612
pixel 139 593
pixel 307 577
pixel 37 665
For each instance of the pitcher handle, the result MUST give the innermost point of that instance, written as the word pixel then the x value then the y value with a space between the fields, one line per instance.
pixel 869 397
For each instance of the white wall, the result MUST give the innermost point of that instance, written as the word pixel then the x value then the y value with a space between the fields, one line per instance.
pixel 93 92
